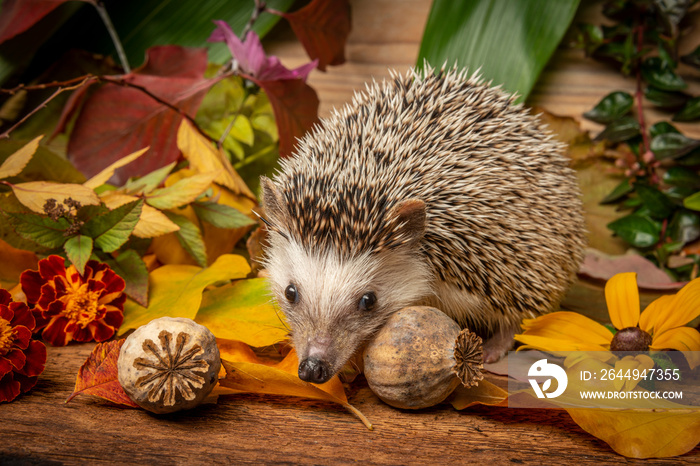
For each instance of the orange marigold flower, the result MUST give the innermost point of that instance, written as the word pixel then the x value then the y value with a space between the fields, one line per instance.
pixel 69 306
pixel 21 358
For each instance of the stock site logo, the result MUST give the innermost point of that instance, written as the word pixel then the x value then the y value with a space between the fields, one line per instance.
pixel 543 369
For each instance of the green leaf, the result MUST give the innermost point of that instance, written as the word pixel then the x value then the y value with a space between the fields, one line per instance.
pixel 590 37
pixel 148 183
pixel 680 176
pixel 692 202
pixel 620 191
pixel 662 127
pixel 684 226
pixel 679 193
pixel 129 265
pixel 620 130
pixel 612 107
pixel 691 159
pixel 509 41
pixel 150 22
pixel 660 206
pixel 110 231
pixel 672 145
pixel 693 58
pixel 78 249
pixel 658 73
pixel 42 230
pixel 220 215
pixel 690 112
pixel 242 130
pixel 665 99
pixel 637 231
pixel 190 237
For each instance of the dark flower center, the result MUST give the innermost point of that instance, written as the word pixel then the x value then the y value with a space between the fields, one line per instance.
pixel 6 336
pixel 630 339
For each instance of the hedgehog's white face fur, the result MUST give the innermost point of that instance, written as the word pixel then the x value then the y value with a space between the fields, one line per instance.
pixel 334 305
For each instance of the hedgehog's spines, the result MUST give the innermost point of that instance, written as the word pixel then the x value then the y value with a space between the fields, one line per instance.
pixel 501 202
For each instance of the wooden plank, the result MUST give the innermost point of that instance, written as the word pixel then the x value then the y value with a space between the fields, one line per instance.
pixel 40 428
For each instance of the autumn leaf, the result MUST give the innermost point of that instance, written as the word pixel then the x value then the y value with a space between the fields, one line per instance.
pixel 152 222
pixel 253 376
pixel 184 191
pixel 117 120
pixel 642 433
pixel 104 176
pixel 34 194
pixel 14 262
pixel 322 27
pixel 242 310
pixel 16 162
pixel 176 290
pixel 295 105
pixel 19 15
pixel 98 375
pixel 204 158
pixel 486 393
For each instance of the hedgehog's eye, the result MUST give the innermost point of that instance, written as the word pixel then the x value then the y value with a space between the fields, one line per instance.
pixel 291 294
pixel 367 302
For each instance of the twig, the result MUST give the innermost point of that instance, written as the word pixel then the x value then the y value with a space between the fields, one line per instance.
pixel 84 81
pixel 75 83
pixel 224 135
pixel 102 11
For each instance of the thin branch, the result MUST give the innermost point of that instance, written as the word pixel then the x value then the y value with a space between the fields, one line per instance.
pixel 224 135
pixel 39 87
pixel 102 11
pixel 84 81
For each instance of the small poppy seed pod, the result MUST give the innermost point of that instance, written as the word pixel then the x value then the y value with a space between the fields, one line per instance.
pixel 169 364
pixel 419 357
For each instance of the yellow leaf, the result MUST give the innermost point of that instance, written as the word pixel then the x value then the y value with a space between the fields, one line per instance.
pixel 282 379
pixel 485 393
pixel 204 158
pixel 34 194
pixel 242 310
pixel 15 163
pixel 183 192
pixel 176 290
pixel 102 177
pixel 642 433
pixel 152 222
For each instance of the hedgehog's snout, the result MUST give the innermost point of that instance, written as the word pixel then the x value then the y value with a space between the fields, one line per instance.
pixel 314 370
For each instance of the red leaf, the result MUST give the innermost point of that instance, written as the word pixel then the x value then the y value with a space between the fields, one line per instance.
pixel 116 120
pixel 16 16
pixel 322 27
pixel 98 375
pixel 296 109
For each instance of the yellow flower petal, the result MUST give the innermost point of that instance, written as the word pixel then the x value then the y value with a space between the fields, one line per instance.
pixel 568 325
pixel 655 313
pixel 554 344
pixel 622 296
pixel 684 308
pixel 681 339
pixel 629 363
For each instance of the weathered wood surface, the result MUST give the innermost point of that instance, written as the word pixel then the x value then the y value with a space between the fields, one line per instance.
pixel 39 428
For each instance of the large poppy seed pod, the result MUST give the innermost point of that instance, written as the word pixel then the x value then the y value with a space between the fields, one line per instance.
pixel 169 364
pixel 419 357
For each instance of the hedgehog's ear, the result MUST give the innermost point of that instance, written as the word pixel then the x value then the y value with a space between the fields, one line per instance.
pixel 275 209
pixel 407 220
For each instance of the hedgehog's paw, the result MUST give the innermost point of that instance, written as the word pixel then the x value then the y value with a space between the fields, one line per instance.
pixel 500 343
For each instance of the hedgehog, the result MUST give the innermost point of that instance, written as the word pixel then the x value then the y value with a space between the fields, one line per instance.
pixel 431 188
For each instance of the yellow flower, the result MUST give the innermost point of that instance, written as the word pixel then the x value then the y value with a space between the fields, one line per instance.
pixel 660 327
